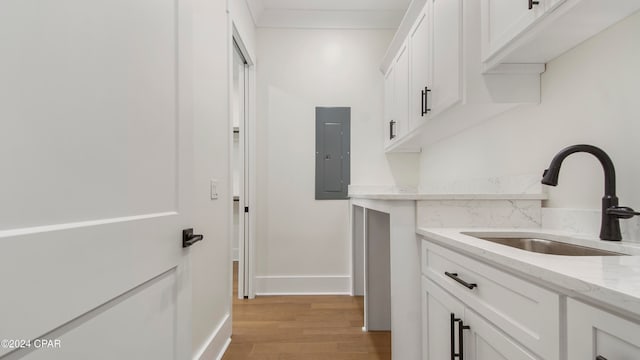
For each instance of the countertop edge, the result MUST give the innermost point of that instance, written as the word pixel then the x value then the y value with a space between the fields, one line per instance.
pixel 417 196
pixel 525 267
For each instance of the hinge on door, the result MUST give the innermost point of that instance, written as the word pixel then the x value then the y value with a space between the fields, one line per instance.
pixel 246 209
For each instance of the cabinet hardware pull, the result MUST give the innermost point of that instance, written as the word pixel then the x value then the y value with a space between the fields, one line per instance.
pixel 461 328
pixel 532 2
pixel 425 102
pixel 600 357
pixel 392 129
pixel 455 277
pixel 452 325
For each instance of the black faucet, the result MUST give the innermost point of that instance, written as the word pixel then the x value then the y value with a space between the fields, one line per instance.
pixel 611 212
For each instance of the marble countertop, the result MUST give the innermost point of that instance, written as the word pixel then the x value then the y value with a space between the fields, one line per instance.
pixel 423 196
pixel 611 281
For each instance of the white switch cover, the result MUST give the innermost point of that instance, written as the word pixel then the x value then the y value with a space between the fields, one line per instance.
pixel 214 189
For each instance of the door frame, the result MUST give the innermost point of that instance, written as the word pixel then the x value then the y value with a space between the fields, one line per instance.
pixel 248 191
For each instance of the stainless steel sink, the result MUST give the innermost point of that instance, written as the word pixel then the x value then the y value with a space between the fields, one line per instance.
pixel 543 246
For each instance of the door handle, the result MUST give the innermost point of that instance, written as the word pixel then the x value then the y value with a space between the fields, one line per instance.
pixel 189 238
pixel 532 2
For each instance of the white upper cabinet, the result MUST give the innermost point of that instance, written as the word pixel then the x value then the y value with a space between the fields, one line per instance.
pixel 447 54
pixel 439 87
pixel 503 20
pixel 420 45
pixel 389 101
pixel 401 88
pixel 528 31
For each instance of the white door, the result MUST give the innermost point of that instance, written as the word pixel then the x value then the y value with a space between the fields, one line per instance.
pixel 420 65
pixel 389 104
pixel 401 91
pixel 447 55
pixel 96 159
pixel 596 334
pixel 240 110
pixel 441 315
pixel 482 341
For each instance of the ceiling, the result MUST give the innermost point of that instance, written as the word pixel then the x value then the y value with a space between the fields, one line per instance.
pixel 328 14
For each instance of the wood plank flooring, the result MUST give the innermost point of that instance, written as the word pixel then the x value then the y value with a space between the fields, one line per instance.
pixel 303 327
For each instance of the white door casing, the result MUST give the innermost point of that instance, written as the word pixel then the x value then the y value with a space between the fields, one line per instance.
pixel 96 154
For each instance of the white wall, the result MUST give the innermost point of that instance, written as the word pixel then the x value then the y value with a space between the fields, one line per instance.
pixel 210 259
pixel 297 71
pixel 589 95
pixel 210 262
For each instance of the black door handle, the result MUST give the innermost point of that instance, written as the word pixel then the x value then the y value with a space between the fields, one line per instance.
pixel 532 2
pixel 189 238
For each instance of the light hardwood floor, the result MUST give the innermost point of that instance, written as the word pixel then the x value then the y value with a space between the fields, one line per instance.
pixel 303 327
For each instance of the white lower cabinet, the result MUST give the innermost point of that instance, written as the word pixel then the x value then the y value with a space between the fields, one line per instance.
pixel 506 317
pixel 594 334
pixel 453 331
pixel 440 314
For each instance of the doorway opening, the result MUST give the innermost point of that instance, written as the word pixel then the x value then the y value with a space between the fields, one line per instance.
pixel 241 107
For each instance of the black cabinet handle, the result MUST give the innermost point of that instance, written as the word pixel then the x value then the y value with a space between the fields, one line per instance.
pixel 455 277
pixel 425 101
pixel 600 357
pixel 461 328
pixel 189 238
pixel 452 325
pixel 392 129
pixel 532 2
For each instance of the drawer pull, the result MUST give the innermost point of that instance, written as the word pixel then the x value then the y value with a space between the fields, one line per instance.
pixel 600 357
pixel 455 277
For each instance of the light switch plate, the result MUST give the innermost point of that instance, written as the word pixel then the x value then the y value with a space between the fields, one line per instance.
pixel 214 189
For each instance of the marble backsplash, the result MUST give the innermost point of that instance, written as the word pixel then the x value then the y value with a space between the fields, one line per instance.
pixel 586 222
pixel 515 184
pixel 478 213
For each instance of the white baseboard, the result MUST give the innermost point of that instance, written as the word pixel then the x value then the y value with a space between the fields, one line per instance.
pixel 303 285
pixel 217 342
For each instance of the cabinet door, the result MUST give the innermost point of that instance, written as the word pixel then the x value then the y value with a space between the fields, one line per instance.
pixel 401 88
pixel 596 334
pixel 505 20
pixel 447 54
pixel 440 336
pixel 420 67
pixel 389 104
pixel 485 342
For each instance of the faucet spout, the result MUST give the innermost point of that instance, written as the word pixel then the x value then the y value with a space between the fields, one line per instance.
pixel 611 212
pixel 550 176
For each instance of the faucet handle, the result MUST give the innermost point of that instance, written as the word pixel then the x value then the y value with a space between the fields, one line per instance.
pixel 622 212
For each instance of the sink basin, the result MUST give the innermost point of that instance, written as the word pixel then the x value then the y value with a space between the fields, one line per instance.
pixel 541 245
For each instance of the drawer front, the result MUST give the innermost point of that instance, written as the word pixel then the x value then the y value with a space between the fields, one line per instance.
pixel 596 334
pixel 525 311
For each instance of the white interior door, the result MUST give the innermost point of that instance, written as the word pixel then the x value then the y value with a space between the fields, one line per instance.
pixel 241 185
pixel 96 158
